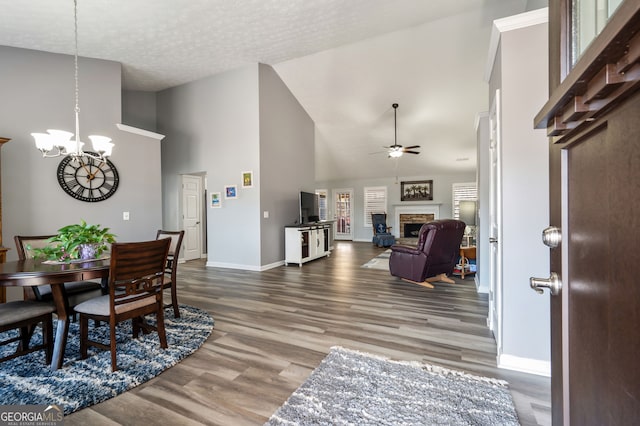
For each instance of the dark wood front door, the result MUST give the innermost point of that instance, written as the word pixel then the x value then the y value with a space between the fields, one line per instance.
pixel 593 117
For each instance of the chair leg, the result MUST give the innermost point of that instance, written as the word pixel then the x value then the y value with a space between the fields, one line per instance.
pixel 84 336
pixel 25 338
pixel 441 277
pixel 174 300
pixel 47 338
pixel 424 284
pixel 160 325
pixel 135 326
pixel 112 343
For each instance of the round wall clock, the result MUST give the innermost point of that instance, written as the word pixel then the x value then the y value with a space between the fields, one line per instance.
pixel 87 179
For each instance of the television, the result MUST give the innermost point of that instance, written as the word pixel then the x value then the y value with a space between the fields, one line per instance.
pixel 309 207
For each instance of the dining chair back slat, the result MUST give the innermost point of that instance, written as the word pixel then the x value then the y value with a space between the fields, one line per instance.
pixel 171 268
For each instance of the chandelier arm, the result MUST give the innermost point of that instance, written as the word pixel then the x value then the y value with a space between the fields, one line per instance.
pixel 59 143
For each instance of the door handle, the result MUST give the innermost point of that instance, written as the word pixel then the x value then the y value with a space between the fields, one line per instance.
pixel 551 236
pixel 198 223
pixel 552 283
pixel 493 240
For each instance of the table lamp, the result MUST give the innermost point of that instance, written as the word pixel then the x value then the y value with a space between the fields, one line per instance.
pixel 468 216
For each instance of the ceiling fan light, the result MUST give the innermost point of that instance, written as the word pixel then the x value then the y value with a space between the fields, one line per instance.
pixel 395 153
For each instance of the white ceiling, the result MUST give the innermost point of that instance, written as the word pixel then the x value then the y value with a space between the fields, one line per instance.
pixel 346 61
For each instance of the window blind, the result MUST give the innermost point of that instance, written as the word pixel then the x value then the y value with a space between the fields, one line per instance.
pixel 375 201
pixel 463 191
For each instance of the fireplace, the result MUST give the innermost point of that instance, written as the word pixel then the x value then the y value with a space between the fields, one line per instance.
pixel 409 218
pixel 410 224
pixel 411 230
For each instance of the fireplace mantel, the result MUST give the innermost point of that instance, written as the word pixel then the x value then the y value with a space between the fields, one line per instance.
pixel 413 208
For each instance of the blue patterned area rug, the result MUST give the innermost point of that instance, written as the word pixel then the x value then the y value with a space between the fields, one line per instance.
pixel 81 383
pixel 354 388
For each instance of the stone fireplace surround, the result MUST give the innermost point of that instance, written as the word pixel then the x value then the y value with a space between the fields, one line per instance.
pixel 413 213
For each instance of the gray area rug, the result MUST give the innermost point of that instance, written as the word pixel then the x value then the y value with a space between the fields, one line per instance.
pixel 354 388
pixel 381 261
pixel 81 383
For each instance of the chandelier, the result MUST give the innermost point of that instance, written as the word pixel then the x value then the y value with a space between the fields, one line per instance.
pixel 56 143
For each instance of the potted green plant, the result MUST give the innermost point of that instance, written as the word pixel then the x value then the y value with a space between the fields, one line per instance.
pixel 77 241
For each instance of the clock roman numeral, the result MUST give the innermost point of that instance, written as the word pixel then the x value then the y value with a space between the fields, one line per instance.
pixel 79 190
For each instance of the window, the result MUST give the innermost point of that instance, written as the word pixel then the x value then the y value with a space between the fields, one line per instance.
pixel 322 201
pixel 463 191
pixel 375 201
pixel 588 19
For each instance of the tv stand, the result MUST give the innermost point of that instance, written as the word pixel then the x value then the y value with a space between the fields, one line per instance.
pixel 306 242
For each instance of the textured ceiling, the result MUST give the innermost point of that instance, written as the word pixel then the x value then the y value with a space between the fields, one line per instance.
pixel 346 61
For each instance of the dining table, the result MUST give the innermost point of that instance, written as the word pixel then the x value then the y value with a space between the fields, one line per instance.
pixel 34 272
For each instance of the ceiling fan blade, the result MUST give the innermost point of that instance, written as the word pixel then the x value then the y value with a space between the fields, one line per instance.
pixel 412 147
pixel 411 152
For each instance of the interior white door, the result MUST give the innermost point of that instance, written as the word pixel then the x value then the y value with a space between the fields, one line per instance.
pixel 192 216
pixel 495 190
pixel 343 199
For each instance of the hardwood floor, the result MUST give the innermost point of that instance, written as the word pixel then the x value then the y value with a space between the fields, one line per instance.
pixel 273 328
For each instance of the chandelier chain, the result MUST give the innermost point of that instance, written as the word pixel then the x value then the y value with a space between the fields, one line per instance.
pixel 75 66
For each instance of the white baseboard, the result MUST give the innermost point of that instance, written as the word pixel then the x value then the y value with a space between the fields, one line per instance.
pixel 525 365
pixel 359 240
pixel 244 267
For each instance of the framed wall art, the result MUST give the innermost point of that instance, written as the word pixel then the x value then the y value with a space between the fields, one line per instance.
pixel 247 179
pixel 416 190
pixel 231 191
pixel 216 201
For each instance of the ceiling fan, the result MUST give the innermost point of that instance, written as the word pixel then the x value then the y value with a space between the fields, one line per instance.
pixel 396 150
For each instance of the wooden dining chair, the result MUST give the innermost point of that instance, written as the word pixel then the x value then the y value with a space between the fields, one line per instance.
pixel 171 268
pixel 77 291
pixel 136 277
pixel 24 316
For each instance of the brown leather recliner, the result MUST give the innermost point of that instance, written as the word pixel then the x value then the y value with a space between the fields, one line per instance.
pixel 435 255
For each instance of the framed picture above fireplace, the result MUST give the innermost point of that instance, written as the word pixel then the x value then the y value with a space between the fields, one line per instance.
pixel 416 190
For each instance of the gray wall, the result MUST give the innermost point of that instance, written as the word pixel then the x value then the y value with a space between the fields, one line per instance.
pixel 223 125
pixel 38 94
pixel 211 127
pixel 442 194
pixel 287 162
pixel 139 109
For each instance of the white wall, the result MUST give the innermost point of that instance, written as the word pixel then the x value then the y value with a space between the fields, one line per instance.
pixel 520 71
pixel 38 94
pixel 442 195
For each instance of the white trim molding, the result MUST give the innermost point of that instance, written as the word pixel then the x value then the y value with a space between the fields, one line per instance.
pixel 433 208
pixel 140 132
pixel 522 20
pixel 524 365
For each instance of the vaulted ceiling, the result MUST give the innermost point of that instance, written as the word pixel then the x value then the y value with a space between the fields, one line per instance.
pixel 346 61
